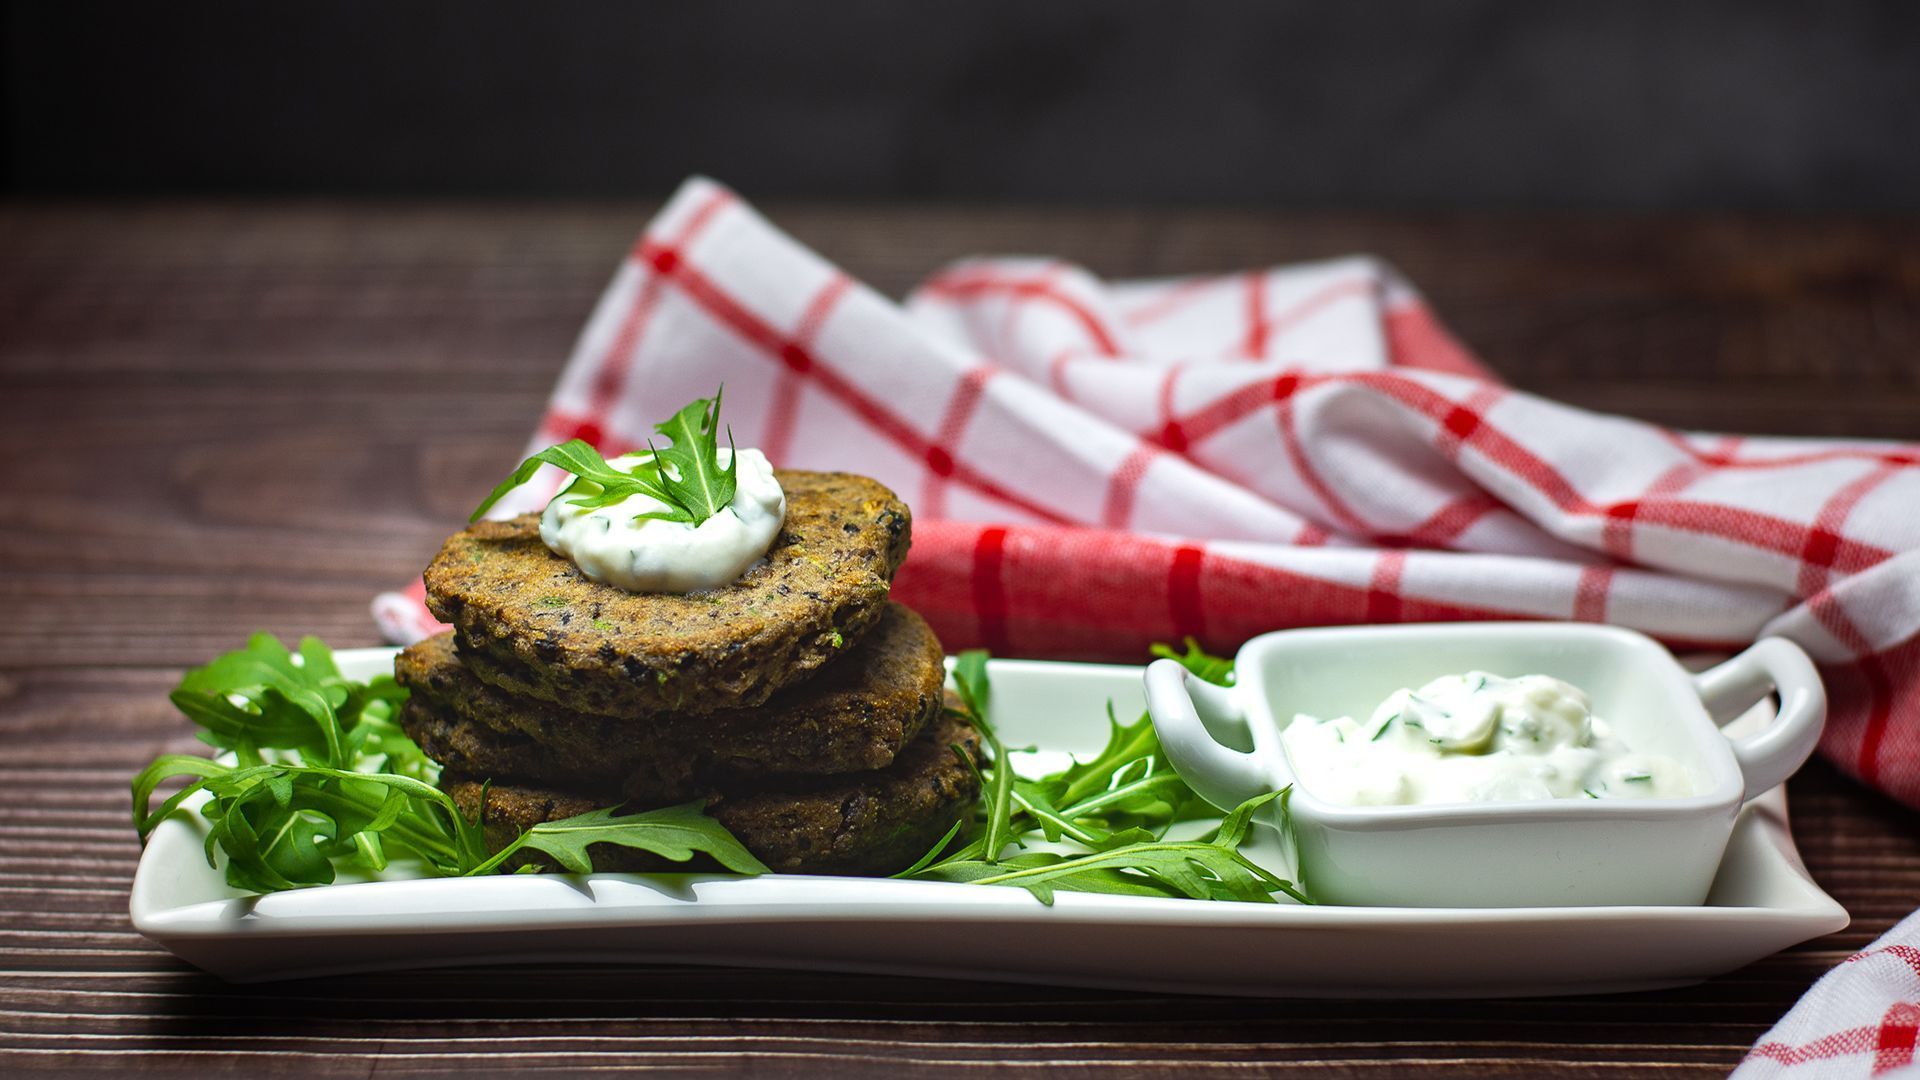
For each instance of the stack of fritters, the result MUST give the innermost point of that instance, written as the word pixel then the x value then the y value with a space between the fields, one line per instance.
pixel 801 703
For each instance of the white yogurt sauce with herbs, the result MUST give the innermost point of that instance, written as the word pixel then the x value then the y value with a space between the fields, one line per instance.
pixel 611 544
pixel 1476 738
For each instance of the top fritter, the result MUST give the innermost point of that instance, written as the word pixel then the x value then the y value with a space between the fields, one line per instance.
pixel 596 648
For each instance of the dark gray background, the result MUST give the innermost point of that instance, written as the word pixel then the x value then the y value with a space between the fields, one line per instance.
pixel 1575 103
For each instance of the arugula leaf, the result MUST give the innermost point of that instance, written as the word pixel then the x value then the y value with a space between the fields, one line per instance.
pixel 685 478
pixel 1031 798
pixel 1126 746
pixel 597 483
pixel 693 476
pixel 1214 669
pixel 1200 869
pixel 675 832
pixel 1095 879
pixel 970 681
pixel 933 852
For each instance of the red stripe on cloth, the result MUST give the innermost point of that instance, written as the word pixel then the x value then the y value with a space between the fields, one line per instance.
pixel 1097 594
pixel 1721 454
pixel 786 385
pixel 1183 593
pixel 1171 300
pixel 1236 405
pixel 1383 591
pixel 946 439
pixel 1464 420
pixel 1858 1040
pixel 1590 594
pixel 1751 528
pixel 1448 522
pixel 1172 435
pixel 1888 457
pixel 989 591
pixel 1230 408
pixel 1312 534
pixel 1817 556
pixel 610 377
pixel 1729 447
pixel 1893 1043
pixel 755 331
pixel 1822 544
pixel 1616 530
pixel 1415 339
pixel 1879 719
pixel 962 286
pixel 559 427
pixel 1457 421
pixel 1297 454
pixel 821 309
pixel 1873 724
pixel 1117 510
pixel 562 426
pixel 1017 304
pixel 1057 373
pixel 1494 444
pixel 1906 954
pixel 1255 343
pixel 777 439
pixel 1291 318
pixel 1726 455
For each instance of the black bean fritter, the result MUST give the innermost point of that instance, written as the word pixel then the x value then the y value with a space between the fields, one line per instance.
pixel 871 823
pixel 853 716
pixel 550 632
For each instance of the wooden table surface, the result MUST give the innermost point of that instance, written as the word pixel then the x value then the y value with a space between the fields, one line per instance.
pixel 220 418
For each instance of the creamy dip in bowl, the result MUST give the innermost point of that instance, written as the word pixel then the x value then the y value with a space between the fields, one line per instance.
pixel 1476 737
pixel 1488 845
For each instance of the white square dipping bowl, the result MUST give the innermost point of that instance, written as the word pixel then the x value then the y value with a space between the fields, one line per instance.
pixel 1226 742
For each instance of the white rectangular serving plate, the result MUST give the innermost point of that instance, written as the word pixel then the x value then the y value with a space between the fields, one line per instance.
pixel 1762 901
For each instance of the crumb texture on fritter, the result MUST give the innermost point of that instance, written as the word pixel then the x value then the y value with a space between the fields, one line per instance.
pixel 545 630
pixel 854 716
pixel 869 823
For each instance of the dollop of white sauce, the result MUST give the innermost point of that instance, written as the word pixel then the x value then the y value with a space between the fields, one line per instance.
pixel 612 544
pixel 1476 738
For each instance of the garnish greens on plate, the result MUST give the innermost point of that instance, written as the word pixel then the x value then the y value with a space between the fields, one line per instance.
pixel 694 489
pixel 1105 820
pixel 319 774
pixel 315 775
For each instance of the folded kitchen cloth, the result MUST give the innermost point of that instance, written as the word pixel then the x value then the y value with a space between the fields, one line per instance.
pixel 1860 1019
pixel 1094 466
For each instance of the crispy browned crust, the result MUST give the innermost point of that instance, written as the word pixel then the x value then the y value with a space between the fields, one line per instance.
pixel 853 717
pixel 871 823
pixel 547 631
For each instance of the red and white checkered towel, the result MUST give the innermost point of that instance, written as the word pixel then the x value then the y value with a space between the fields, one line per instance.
pixel 1860 1019
pixel 1094 466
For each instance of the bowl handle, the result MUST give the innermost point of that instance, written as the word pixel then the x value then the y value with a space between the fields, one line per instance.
pixel 1771 755
pixel 1191 716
